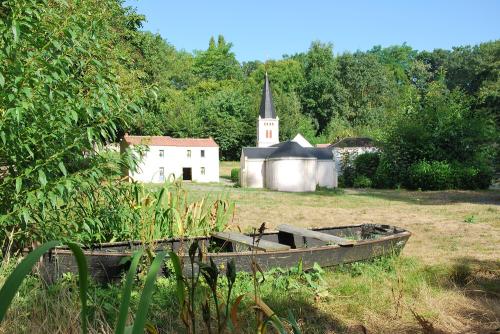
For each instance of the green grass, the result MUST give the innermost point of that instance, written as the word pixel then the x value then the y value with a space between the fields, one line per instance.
pixel 334 300
pixel 449 272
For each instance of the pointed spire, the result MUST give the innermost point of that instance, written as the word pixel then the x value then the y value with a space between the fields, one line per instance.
pixel 266 104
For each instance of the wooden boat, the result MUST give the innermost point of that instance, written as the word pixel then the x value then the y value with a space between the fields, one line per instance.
pixel 282 248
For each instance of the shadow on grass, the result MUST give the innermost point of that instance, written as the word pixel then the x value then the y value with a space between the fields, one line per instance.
pixel 432 197
pixel 477 277
pixel 310 317
pixel 479 281
pixel 322 192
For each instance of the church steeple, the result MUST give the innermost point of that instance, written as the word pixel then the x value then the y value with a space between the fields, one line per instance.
pixel 268 122
pixel 266 103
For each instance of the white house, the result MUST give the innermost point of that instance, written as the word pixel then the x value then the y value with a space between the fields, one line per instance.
pixel 195 159
pixel 350 148
pixel 294 165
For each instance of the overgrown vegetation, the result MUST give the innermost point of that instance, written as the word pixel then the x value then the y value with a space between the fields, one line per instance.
pixel 345 299
pixel 192 296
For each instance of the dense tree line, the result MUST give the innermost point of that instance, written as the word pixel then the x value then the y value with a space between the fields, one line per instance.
pixel 318 93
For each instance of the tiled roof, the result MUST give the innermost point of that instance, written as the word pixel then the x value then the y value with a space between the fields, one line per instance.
pixel 169 141
pixel 323 145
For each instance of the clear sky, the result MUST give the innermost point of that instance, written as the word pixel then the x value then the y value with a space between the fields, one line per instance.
pixel 263 30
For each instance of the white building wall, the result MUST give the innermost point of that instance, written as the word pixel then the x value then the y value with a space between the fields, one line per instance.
pixel 174 160
pixel 301 140
pixel 326 174
pixel 263 126
pixel 254 172
pixel 291 174
pixel 353 152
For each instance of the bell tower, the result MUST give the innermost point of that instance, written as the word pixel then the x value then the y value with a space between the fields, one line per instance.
pixel 268 122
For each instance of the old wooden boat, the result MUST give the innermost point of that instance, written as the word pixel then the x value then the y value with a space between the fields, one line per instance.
pixel 284 248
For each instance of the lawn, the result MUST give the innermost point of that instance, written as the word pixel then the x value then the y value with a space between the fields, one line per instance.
pixel 449 271
pixel 225 168
pixel 447 279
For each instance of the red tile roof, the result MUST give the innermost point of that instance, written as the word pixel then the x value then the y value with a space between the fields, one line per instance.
pixel 169 141
pixel 322 145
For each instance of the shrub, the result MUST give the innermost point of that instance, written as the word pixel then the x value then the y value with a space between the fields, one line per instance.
pixel 384 175
pixel 362 181
pixel 472 177
pixel 235 175
pixel 346 180
pixel 434 175
pixel 366 164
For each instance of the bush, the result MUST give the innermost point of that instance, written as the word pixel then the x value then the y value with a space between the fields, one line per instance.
pixel 362 181
pixel 472 177
pixel 366 164
pixel 235 175
pixel 434 175
pixel 346 180
pixel 384 177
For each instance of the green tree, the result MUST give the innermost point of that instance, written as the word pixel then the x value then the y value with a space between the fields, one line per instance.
pixel 218 62
pixel 322 95
pixel 60 101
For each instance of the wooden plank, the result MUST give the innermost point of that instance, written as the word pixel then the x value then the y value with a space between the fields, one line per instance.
pixel 248 241
pixel 315 235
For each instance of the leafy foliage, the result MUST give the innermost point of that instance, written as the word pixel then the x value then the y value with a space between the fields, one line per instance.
pixel 235 175
pixel 60 102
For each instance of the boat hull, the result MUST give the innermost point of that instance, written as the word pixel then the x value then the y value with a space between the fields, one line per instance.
pixel 108 262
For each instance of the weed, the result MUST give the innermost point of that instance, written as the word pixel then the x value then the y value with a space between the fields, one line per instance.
pixel 470 219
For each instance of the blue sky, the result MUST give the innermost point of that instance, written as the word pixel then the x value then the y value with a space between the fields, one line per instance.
pixel 263 30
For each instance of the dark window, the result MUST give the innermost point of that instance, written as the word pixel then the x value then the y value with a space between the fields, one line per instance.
pixel 162 153
pixel 186 174
pixel 189 153
pixel 202 170
pixel 202 153
pixel 162 173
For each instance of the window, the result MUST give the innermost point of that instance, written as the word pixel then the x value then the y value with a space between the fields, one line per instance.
pixel 202 153
pixel 202 170
pixel 189 153
pixel 270 133
pixel 162 174
pixel 162 153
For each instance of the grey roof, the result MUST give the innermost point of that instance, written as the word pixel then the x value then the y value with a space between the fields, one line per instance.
pixel 321 153
pixel 266 103
pixel 287 149
pixel 291 149
pixel 355 142
pixel 258 152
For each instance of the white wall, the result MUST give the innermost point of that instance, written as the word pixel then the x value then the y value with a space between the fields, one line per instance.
pixel 301 140
pixel 291 174
pixel 253 172
pixel 264 124
pixel 338 153
pixel 174 159
pixel 326 174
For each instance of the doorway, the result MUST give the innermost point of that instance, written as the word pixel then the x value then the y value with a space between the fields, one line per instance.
pixel 187 174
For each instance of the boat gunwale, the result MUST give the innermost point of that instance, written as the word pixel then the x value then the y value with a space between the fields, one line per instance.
pixel 181 239
pixel 92 252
